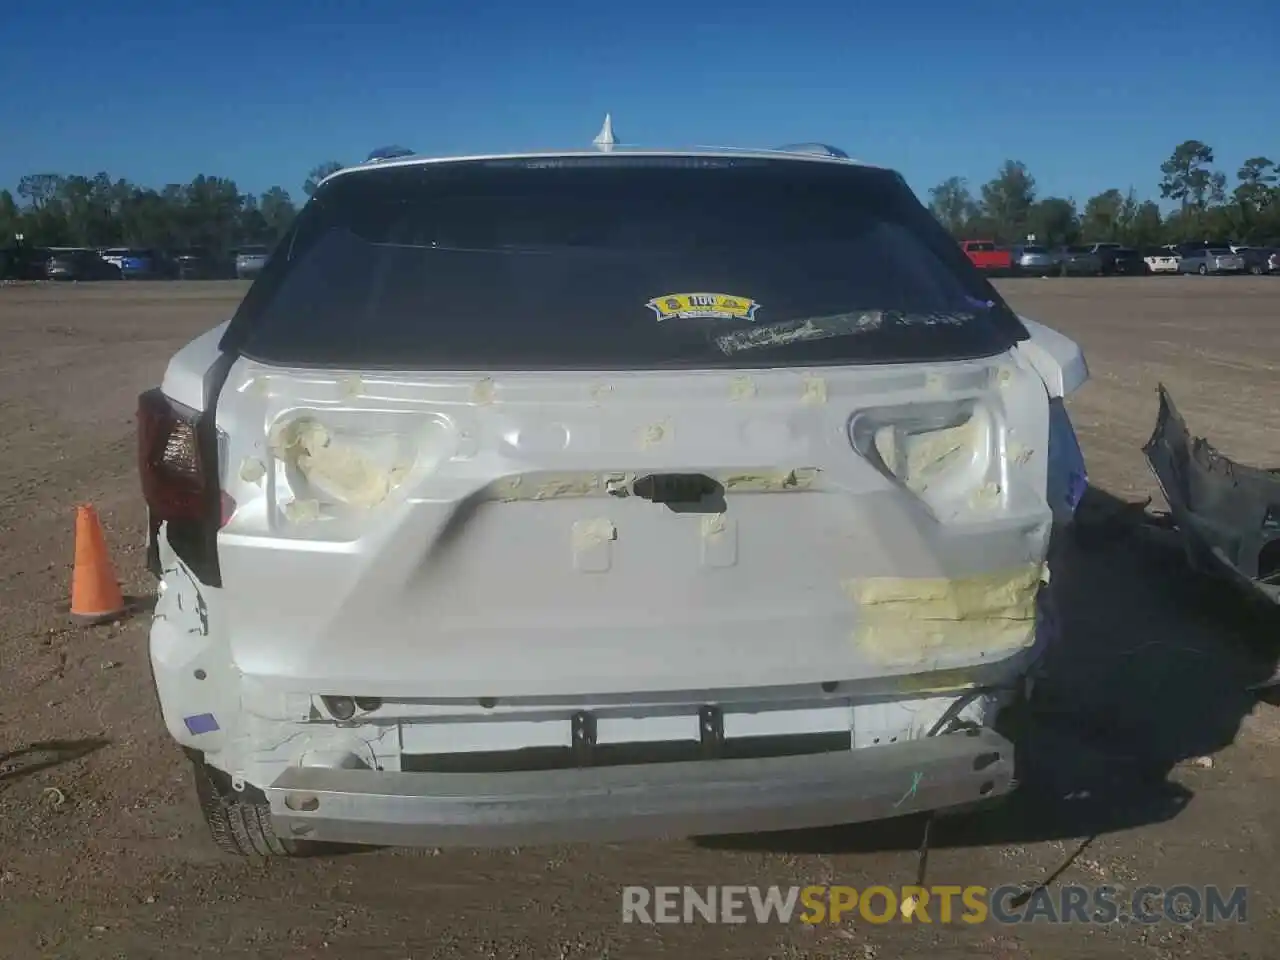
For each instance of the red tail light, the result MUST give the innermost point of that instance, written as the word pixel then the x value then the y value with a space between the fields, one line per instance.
pixel 176 481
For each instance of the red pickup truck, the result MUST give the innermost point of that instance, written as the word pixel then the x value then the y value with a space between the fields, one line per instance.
pixel 987 257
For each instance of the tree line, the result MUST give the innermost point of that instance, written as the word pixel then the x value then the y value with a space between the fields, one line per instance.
pixel 56 210
pixel 52 210
pixel 1008 209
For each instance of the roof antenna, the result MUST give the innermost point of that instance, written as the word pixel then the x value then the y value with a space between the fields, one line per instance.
pixel 604 139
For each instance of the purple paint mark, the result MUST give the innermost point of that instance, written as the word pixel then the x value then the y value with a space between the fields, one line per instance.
pixel 201 723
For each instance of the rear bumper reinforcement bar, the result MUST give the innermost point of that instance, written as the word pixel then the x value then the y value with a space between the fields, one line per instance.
pixel 651 800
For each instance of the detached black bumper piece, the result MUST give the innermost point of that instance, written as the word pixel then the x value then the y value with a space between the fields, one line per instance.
pixel 1227 513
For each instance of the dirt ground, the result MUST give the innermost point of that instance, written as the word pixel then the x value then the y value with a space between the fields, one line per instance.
pixel 103 853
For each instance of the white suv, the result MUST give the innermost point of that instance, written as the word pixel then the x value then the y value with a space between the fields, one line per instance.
pixel 596 495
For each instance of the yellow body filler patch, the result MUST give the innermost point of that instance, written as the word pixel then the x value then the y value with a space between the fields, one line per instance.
pixel 703 306
pixel 909 621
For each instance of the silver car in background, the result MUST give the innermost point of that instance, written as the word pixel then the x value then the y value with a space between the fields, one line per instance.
pixel 250 261
pixel 1205 261
pixel 1077 261
pixel 1038 261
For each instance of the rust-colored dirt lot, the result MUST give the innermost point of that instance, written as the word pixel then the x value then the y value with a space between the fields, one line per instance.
pixel 103 853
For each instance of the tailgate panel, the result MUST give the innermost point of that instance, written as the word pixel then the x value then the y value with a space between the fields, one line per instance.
pixel 413 535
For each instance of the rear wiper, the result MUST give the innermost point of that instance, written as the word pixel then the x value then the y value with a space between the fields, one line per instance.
pixel 784 334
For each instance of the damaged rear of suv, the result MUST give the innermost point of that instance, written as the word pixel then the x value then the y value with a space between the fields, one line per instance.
pixel 603 495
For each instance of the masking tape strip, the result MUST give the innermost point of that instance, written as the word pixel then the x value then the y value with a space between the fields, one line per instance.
pixel 912 620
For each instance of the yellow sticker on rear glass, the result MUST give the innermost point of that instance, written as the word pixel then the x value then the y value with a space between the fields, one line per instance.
pixel 713 306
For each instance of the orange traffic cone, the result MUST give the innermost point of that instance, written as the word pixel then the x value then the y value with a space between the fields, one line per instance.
pixel 95 592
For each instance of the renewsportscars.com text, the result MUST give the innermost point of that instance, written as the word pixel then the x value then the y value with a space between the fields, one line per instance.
pixel 1008 904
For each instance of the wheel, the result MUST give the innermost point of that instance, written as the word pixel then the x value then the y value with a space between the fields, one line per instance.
pixel 1203 270
pixel 1256 270
pixel 240 822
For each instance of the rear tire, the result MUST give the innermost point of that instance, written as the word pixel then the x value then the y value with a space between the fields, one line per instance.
pixel 1203 270
pixel 240 822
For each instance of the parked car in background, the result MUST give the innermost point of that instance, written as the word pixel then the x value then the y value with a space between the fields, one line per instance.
pixel 76 263
pixel 22 262
pixel 1227 245
pixel 1161 259
pixel 987 256
pixel 1119 259
pixel 199 263
pixel 1205 261
pixel 250 261
pixel 1078 261
pixel 136 264
pixel 1034 260
pixel 1101 248
pixel 1257 260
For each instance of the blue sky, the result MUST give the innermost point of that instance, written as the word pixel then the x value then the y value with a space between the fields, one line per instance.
pixel 1089 95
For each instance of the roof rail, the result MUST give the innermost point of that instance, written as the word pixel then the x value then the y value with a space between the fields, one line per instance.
pixel 820 149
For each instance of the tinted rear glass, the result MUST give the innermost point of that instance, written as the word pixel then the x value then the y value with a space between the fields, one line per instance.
pixel 1034 250
pixel 617 262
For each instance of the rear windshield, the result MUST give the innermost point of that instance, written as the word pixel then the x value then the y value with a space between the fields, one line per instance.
pixel 615 263
pixel 1034 250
